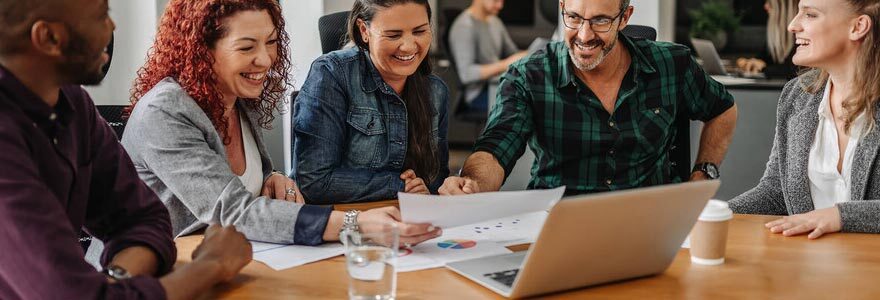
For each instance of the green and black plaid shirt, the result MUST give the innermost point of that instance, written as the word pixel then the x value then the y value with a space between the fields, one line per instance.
pixel 576 142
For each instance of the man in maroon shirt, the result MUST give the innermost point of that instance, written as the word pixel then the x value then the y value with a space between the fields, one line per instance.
pixel 62 170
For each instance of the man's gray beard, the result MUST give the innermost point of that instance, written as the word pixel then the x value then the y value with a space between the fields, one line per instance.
pixel 595 63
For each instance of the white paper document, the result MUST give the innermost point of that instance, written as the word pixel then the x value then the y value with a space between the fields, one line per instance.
pixel 509 231
pixel 452 211
pixel 280 257
pixel 437 252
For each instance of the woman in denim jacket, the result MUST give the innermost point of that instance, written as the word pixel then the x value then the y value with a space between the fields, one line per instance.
pixel 371 121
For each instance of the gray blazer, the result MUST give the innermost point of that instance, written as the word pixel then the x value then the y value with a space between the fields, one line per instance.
pixel 180 155
pixel 785 189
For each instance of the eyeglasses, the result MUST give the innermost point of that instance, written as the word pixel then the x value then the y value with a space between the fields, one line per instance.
pixel 598 24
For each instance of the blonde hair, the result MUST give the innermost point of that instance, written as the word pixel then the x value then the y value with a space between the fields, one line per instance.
pixel 865 90
pixel 780 42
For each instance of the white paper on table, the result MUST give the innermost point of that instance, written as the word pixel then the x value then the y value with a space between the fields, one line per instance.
pixel 515 230
pixel 452 211
pixel 280 257
pixel 437 252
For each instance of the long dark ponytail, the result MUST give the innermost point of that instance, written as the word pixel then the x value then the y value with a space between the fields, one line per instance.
pixel 421 153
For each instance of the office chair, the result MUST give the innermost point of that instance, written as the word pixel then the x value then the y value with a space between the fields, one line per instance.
pixel 332 29
pixel 640 31
pixel 114 115
pixel 680 152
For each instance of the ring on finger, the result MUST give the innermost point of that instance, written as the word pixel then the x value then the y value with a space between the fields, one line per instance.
pixel 290 191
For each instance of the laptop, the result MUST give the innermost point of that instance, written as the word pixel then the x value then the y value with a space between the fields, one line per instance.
pixel 595 239
pixel 711 60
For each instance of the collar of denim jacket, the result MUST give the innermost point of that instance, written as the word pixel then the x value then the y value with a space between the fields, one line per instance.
pixel 371 80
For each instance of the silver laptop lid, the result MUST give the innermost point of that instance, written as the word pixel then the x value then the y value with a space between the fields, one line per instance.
pixel 612 236
pixel 711 61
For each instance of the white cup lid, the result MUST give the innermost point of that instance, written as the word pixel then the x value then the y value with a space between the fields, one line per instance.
pixel 716 210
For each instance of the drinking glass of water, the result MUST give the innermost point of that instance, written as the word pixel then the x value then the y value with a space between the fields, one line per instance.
pixel 371 260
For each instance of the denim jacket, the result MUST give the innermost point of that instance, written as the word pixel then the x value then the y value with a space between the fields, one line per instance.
pixel 350 131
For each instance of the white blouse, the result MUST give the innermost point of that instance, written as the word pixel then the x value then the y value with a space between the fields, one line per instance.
pixel 252 178
pixel 828 186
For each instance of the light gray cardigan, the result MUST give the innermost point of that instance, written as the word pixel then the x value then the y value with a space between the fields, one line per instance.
pixel 785 190
pixel 180 155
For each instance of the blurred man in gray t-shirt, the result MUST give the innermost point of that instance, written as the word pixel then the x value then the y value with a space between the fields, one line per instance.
pixel 482 49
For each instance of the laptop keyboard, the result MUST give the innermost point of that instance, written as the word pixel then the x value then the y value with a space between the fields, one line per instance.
pixel 504 277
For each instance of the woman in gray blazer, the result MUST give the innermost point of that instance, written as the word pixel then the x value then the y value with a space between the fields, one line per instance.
pixel 217 71
pixel 822 171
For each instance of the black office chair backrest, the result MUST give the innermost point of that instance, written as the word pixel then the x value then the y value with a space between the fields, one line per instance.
pixel 114 115
pixel 680 152
pixel 640 31
pixel 332 28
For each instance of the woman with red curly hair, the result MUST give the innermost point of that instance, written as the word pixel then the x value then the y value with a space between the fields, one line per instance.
pixel 216 72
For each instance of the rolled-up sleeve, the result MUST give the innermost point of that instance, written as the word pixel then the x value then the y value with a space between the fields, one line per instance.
pixel 510 121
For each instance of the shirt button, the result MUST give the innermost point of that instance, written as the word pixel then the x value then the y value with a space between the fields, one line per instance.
pixel 607 181
pixel 657 111
pixel 35 125
pixel 611 151
pixel 53 116
pixel 55 141
pixel 611 123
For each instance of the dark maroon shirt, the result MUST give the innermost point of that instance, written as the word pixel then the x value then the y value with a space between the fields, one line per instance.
pixel 62 169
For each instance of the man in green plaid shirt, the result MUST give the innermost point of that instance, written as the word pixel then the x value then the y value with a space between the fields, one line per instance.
pixel 598 110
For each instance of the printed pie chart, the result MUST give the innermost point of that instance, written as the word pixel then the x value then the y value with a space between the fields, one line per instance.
pixel 456 244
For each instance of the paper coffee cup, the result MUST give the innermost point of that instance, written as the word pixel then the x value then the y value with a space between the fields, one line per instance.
pixel 709 236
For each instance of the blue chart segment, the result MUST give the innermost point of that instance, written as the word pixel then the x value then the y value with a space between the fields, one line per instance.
pixel 456 244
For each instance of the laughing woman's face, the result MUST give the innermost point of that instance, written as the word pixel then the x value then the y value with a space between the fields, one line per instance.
pixel 821 30
pixel 399 38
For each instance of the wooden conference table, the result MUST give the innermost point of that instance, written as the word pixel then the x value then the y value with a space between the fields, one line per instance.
pixel 760 265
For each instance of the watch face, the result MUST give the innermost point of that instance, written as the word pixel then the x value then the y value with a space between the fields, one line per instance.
pixel 711 171
pixel 117 272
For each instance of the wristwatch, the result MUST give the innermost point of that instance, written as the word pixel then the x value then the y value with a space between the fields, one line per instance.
pixel 710 169
pixel 116 272
pixel 349 221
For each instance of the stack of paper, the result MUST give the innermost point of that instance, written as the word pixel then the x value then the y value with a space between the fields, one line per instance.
pixel 280 257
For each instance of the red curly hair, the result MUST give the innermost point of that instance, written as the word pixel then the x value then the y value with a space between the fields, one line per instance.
pixel 187 31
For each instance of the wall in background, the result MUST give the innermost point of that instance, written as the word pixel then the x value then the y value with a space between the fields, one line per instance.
pixel 659 14
pixel 332 6
pixel 135 29
pixel 302 26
